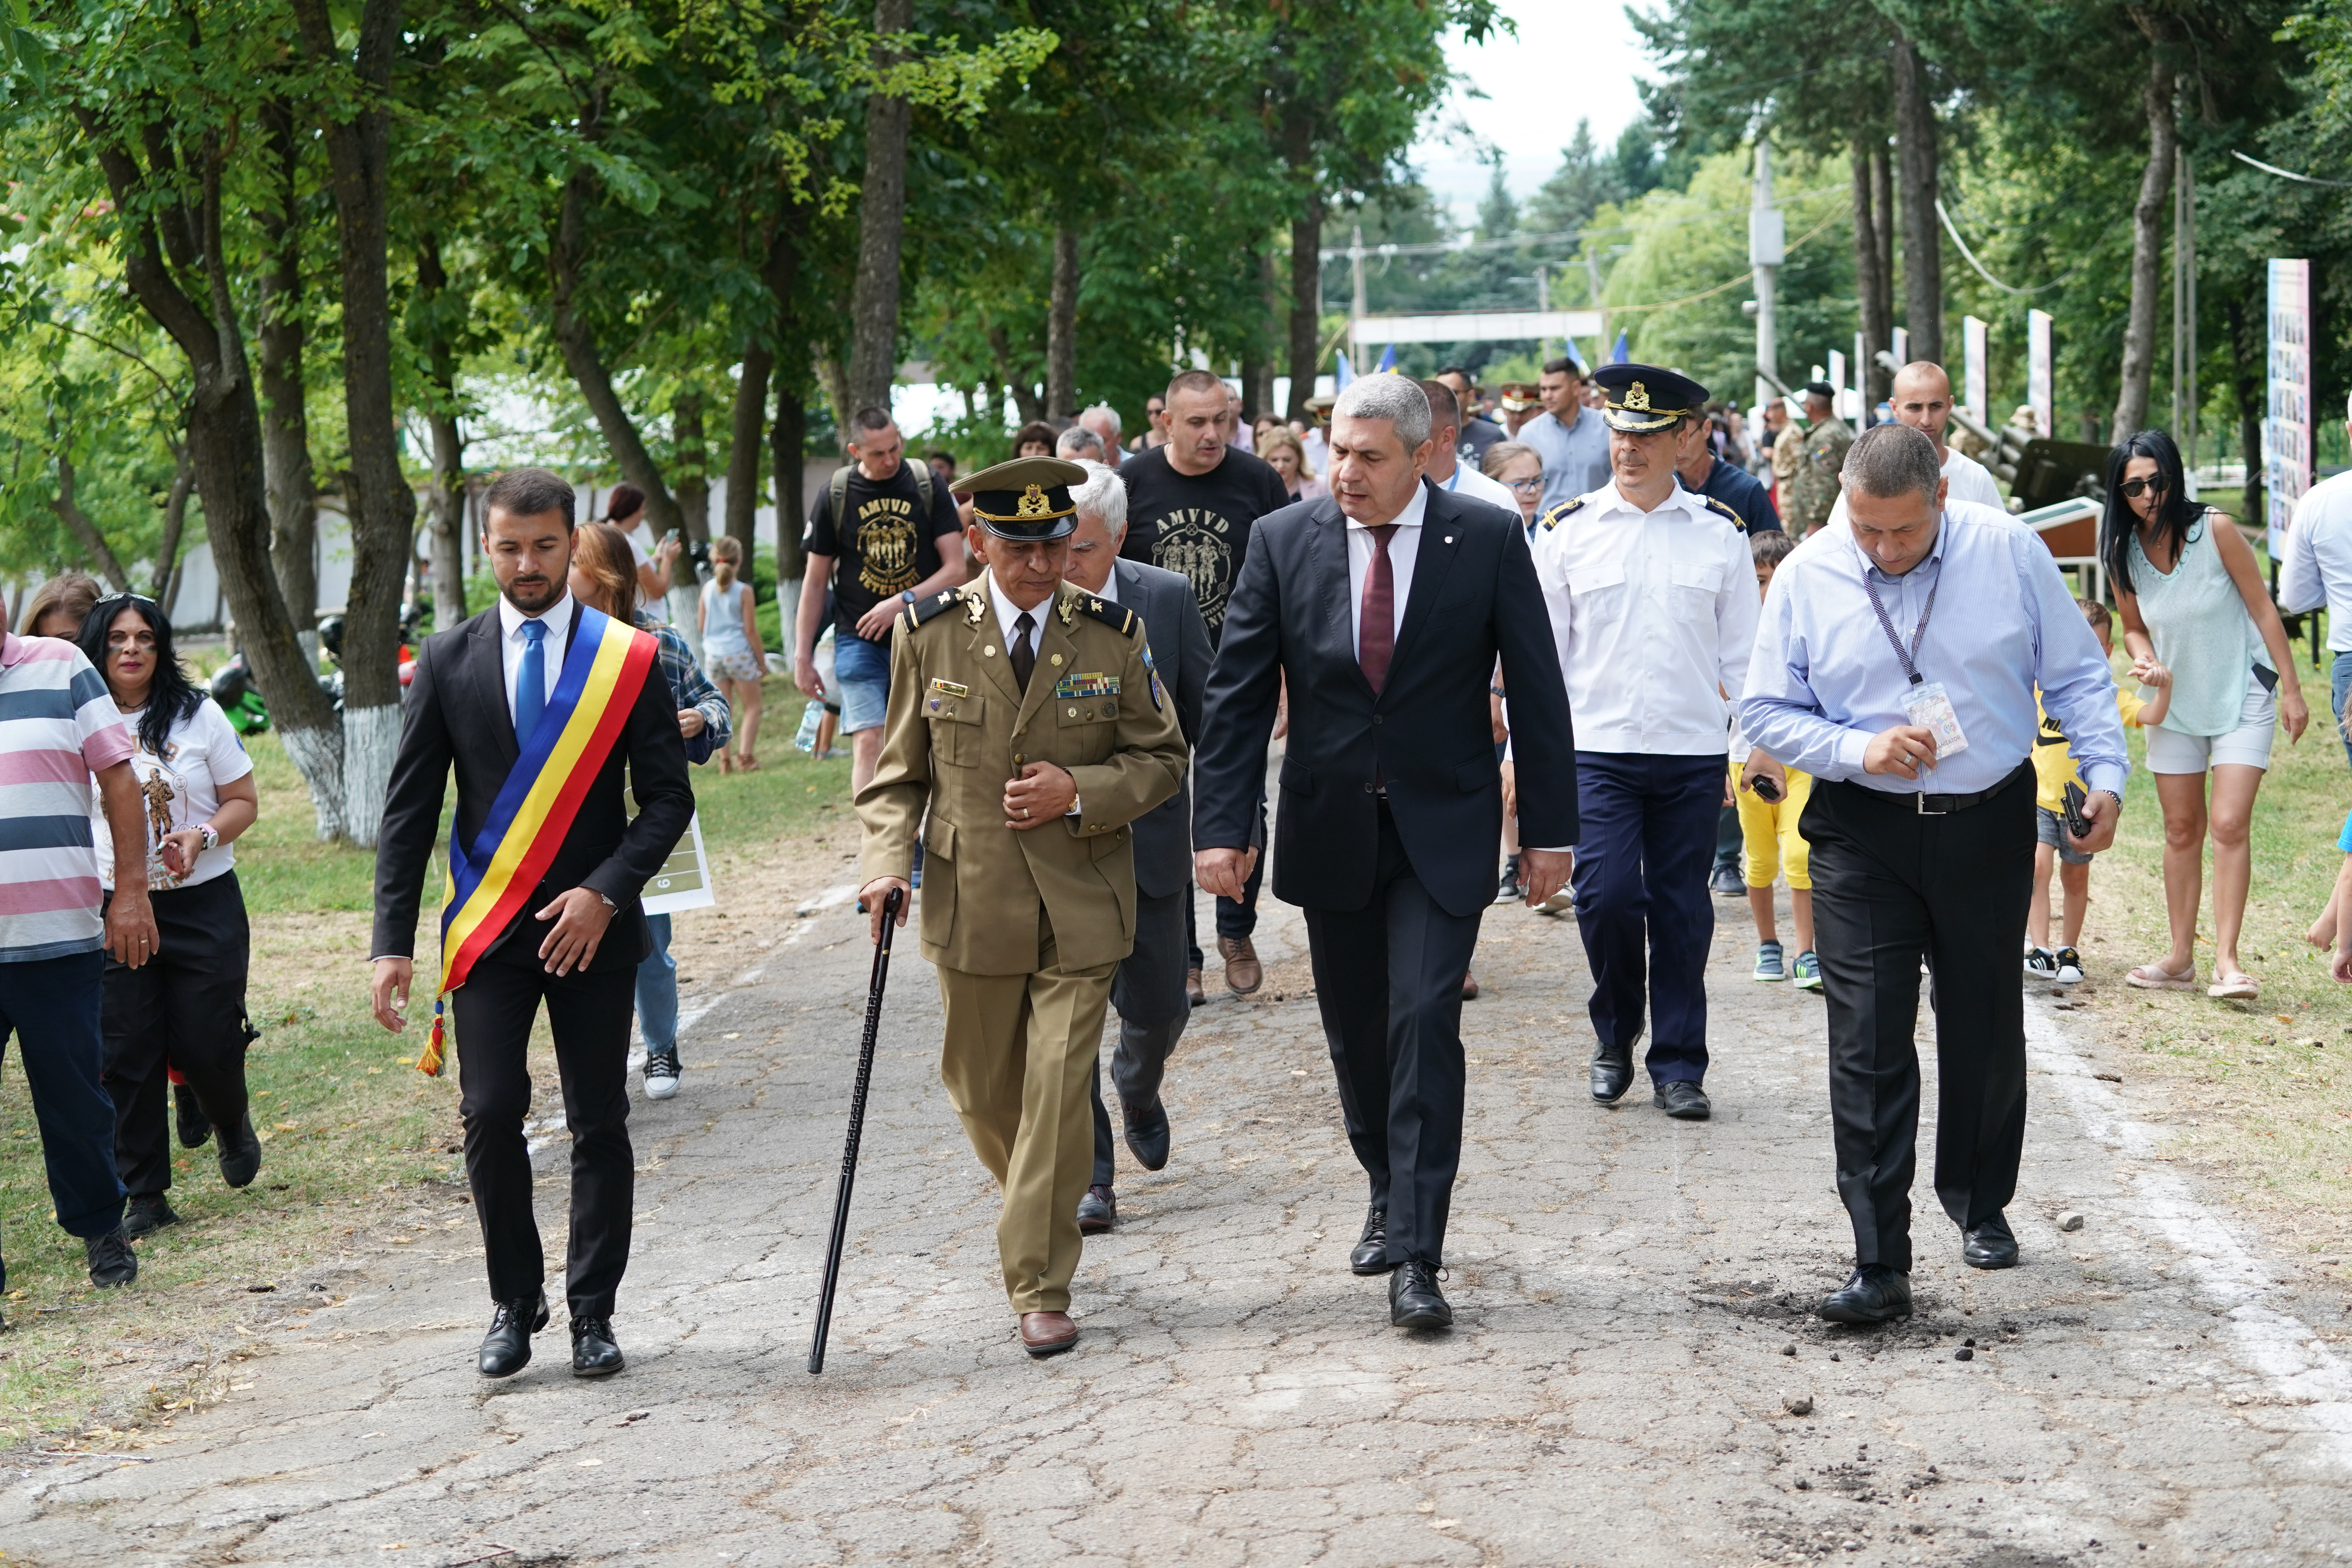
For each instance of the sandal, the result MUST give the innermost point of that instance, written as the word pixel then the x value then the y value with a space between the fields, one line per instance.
pixel 725 762
pixel 2232 986
pixel 2155 977
pixel 747 762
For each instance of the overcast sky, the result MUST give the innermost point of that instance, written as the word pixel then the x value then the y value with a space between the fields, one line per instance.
pixel 1570 60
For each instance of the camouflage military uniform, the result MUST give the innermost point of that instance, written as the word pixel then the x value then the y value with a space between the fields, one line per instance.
pixel 1808 458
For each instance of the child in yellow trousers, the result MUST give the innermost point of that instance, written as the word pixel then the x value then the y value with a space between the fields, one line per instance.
pixel 1770 844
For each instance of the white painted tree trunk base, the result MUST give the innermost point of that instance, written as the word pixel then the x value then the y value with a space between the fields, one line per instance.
pixel 370 737
pixel 318 756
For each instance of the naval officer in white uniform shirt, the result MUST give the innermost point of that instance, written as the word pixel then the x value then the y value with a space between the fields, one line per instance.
pixel 1653 609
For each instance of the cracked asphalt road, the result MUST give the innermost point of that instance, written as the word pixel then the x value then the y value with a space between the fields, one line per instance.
pixel 1633 1294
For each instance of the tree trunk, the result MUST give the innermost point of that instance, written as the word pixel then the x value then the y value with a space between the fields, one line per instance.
pixel 86 533
pixel 286 470
pixel 1257 366
pixel 175 522
pixel 447 490
pixel 383 507
pixel 1923 240
pixel 564 260
pixel 224 437
pixel 791 442
pixel 2248 324
pixel 1305 265
pixel 1025 399
pixel 1869 287
pixel 745 447
pixel 1882 203
pixel 836 395
pixel 1062 331
pixel 882 215
pixel 2149 216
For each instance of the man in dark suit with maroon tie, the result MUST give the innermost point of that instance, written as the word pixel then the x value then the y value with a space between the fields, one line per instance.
pixel 1386 606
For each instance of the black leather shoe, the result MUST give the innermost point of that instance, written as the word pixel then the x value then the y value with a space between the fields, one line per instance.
pixel 1414 1299
pixel 111 1262
pixel 240 1154
pixel 146 1213
pixel 594 1354
pixel 1146 1132
pixel 1876 1294
pixel 505 1349
pixel 1612 1073
pixel 1990 1246
pixel 1097 1211
pixel 1372 1253
pixel 1684 1100
pixel 194 1125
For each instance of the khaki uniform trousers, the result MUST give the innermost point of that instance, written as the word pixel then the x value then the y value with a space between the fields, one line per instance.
pixel 1018 1062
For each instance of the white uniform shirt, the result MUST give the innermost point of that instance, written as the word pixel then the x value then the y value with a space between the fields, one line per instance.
pixel 1467 480
pixel 1654 614
pixel 558 617
pixel 2317 569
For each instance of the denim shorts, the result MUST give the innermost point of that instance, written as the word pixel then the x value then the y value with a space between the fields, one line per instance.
pixel 2050 829
pixel 862 670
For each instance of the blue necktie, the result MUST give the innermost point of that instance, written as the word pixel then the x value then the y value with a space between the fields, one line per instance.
pixel 531 686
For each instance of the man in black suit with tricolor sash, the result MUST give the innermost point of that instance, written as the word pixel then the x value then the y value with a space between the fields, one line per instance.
pixel 543 681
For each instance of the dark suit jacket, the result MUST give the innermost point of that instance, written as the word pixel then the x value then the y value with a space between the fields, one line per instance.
pixel 1474 596
pixel 456 713
pixel 1179 639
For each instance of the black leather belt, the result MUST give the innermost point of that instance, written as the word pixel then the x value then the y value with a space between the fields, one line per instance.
pixel 1945 804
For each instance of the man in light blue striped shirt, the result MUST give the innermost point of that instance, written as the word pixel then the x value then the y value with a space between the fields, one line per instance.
pixel 1917 611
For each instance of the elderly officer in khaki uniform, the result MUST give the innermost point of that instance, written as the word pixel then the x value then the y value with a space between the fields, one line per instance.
pixel 1026 716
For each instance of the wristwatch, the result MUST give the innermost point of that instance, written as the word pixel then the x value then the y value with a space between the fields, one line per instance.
pixel 909 596
pixel 210 835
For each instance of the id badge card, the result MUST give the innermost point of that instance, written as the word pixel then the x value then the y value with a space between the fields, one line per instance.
pixel 1930 706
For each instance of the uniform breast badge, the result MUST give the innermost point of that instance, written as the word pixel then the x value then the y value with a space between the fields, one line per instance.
pixel 1089 685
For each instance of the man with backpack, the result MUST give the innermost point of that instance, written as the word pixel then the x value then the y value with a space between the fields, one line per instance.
pixel 883 534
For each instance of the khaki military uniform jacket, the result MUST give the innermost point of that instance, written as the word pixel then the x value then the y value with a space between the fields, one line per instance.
pixel 959 729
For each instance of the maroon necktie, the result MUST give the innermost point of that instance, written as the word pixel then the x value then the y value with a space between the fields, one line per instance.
pixel 1376 637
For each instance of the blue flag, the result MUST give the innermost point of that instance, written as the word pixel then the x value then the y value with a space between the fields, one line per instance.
pixel 1342 373
pixel 1623 353
pixel 1388 360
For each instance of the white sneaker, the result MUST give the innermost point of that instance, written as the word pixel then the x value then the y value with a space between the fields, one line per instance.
pixel 2070 967
pixel 2042 964
pixel 662 1073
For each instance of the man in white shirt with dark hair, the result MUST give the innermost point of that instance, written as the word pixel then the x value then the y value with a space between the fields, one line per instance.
pixel 1922 398
pixel 1446 470
pixel 1653 602
pixel 2317 573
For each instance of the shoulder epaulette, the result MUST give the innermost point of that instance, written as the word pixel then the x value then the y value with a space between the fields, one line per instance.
pixel 1118 617
pixel 1559 514
pixel 1737 521
pixel 938 605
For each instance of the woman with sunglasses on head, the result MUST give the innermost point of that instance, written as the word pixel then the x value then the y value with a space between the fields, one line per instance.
pixel 184 1011
pixel 2193 602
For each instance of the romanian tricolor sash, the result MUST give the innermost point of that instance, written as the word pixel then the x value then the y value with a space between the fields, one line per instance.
pixel 604 670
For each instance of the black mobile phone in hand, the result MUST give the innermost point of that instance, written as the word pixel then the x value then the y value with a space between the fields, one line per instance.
pixel 2073 799
pixel 1766 789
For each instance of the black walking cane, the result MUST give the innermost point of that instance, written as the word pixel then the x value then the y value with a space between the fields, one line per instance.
pixel 891 905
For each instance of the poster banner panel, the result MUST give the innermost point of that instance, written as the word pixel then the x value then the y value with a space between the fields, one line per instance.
pixel 1973 342
pixel 2286 431
pixel 2038 391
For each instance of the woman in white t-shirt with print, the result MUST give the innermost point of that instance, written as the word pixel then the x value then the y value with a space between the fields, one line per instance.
pixel 181 1017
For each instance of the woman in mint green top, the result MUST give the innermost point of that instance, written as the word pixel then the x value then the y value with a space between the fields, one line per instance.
pixel 2192 600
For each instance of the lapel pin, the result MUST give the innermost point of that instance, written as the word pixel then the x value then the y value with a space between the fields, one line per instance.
pixel 1449 539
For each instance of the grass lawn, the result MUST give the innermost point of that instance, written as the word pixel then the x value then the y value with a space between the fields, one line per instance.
pixel 2264 1101
pixel 358 1147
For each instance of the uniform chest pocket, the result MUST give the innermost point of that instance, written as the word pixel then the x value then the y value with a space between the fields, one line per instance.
pixel 1087 727
pixel 1598 593
pixel 1691 587
pixel 955 721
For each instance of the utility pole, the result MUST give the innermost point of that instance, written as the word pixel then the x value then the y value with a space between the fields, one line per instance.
pixel 1767 248
pixel 1543 304
pixel 1356 269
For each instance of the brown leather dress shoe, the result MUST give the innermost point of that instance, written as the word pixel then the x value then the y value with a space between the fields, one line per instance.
pixel 1192 990
pixel 1243 972
pixel 1047 1333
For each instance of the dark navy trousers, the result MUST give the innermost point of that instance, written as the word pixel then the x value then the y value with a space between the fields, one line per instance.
pixel 1642 903
pixel 52 1006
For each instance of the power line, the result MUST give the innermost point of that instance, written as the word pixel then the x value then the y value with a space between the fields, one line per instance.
pixel 2288 174
pixel 1951 228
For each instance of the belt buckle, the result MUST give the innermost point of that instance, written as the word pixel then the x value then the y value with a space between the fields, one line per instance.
pixel 1922 799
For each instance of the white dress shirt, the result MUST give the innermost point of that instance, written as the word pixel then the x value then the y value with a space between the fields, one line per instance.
pixel 1965 479
pixel 558 620
pixel 1467 480
pixel 1654 614
pixel 1405 549
pixel 2317 569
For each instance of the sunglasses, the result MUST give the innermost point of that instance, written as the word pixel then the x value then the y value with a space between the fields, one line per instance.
pixel 2132 489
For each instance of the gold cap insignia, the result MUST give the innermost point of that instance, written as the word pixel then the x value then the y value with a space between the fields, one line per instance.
pixel 1034 504
pixel 1637 397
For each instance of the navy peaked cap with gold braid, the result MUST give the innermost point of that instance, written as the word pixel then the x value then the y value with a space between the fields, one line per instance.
pixel 1646 397
pixel 1027 499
